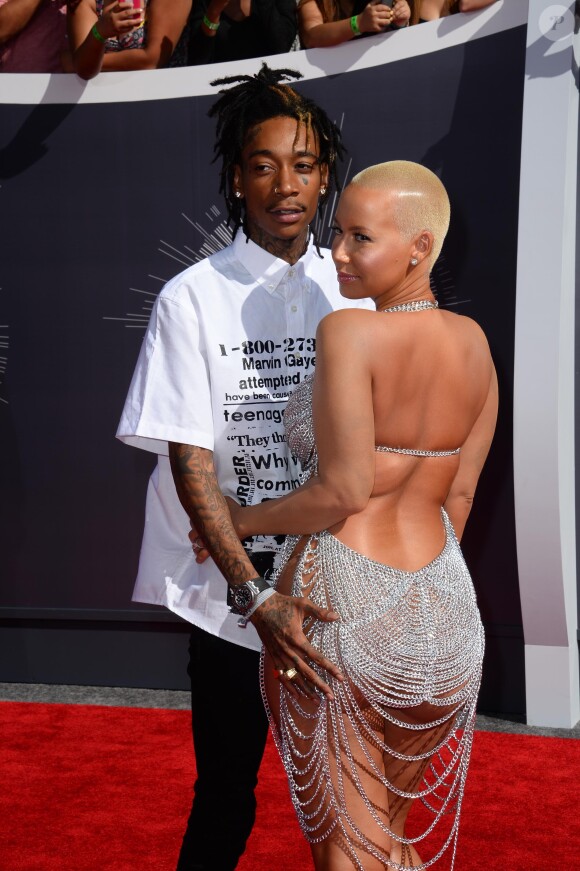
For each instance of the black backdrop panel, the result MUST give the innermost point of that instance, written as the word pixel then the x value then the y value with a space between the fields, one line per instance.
pixel 102 203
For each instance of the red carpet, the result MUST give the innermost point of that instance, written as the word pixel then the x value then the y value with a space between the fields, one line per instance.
pixel 87 788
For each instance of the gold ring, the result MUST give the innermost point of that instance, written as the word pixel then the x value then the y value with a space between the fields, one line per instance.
pixel 290 673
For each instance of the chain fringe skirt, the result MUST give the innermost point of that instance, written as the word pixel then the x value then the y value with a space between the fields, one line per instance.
pixel 404 639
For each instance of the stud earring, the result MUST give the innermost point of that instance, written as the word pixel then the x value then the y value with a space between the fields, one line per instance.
pixel 237 194
pixel 322 191
pixel 414 261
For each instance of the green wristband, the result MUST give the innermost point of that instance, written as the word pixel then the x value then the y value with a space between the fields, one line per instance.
pixel 96 34
pixel 354 25
pixel 210 24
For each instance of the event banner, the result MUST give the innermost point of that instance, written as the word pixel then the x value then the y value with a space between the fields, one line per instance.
pixel 103 202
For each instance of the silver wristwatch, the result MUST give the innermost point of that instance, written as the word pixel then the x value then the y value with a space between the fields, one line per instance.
pixel 244 596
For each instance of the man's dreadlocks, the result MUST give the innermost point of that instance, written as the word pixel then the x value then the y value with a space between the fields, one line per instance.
pixel 258 98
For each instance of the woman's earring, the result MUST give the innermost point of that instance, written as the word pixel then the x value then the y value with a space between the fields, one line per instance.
pixel 414 261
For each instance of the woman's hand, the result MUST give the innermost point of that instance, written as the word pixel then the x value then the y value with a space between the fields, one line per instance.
pixel 401 13
pixel 198 545
pixel 118 19
pixel 375 17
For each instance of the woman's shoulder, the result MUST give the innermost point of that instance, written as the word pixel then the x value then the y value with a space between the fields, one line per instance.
pixel 469 341
pixel 346 320
pixel 467 326
pixel 346 331
pixel 349 316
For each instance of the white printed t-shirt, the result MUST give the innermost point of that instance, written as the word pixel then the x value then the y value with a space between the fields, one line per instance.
pixel 228 340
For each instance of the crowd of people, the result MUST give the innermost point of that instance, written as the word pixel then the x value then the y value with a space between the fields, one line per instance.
pixel 87 37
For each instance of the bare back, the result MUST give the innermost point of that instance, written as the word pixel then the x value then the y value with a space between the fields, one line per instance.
pixel 431 377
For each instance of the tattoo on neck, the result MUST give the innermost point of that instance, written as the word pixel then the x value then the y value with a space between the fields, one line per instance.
pixel 290 250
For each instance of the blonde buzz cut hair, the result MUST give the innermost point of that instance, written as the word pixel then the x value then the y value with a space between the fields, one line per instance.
pixel 421 199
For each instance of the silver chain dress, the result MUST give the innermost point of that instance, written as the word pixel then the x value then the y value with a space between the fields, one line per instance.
pixel 404 639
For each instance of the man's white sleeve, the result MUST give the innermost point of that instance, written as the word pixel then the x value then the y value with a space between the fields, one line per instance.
pixel 169 399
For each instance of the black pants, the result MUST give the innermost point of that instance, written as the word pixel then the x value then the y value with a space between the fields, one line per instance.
pixel 229 735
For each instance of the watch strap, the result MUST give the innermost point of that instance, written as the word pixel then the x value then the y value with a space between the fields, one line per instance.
pixel 259 582
pixel 261 598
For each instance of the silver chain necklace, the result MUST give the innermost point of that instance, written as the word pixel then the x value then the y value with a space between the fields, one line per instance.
pixel 416 306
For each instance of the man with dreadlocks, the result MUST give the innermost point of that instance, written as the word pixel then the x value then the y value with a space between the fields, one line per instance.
pixel 228 341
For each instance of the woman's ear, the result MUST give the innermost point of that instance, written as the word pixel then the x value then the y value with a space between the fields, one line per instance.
pixel 423 245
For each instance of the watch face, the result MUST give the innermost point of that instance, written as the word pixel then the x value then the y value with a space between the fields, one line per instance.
pixel 243 597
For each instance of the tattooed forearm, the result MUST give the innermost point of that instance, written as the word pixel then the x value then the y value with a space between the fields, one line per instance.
pixel 199 493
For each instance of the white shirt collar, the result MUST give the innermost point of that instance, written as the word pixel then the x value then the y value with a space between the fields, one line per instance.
pixel 267 270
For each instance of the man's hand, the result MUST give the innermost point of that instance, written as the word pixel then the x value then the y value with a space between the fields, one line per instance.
pixel 279 624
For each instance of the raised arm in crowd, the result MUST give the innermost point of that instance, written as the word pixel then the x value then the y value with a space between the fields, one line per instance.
pixel 118 36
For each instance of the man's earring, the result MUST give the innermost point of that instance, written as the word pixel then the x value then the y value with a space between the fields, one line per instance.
pixel 322 191
pixel 414 261
pixel 237 194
